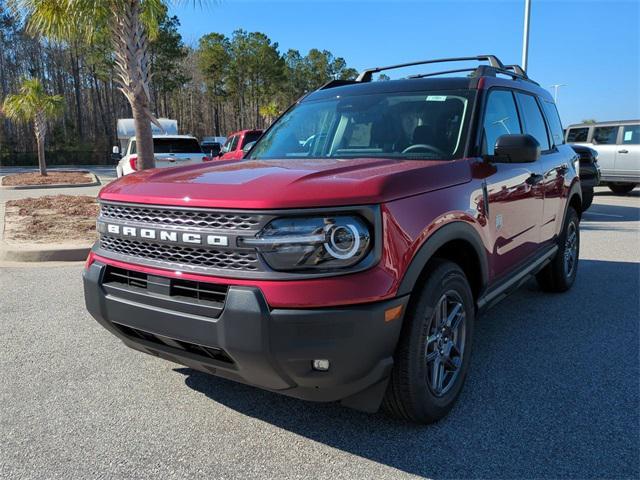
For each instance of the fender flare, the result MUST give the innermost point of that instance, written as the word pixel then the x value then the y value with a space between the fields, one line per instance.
pixel 574 189
pixel 456 230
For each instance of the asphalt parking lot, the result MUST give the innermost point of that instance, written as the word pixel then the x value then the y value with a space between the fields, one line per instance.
pixel 553 391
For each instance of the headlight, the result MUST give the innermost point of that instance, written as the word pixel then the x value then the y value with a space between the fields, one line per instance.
pixel 318 243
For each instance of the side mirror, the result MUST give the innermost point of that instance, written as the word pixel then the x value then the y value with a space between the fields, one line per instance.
pixel 115 153
pixel 516 148
pixel 248 147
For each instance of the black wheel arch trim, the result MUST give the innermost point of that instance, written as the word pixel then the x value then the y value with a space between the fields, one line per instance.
pixel 456 230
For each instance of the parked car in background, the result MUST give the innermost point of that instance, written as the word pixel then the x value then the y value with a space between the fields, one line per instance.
pixel 589 173
pixel 169 151
pixel 618 147
pixel 212 145
pixel 233 149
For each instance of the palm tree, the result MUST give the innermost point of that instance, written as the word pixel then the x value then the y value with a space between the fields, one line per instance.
pixel 130 24
pixel 33 104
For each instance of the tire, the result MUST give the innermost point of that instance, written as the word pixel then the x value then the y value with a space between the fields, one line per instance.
pixel 621 188
pixel 413 393
pixel 587 199
pixel 560 274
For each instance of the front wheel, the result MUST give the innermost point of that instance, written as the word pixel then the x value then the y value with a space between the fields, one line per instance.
pixel 560 274
pixel 621 188
pixel 434 349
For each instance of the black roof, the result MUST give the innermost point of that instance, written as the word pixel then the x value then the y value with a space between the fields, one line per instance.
pixel 390 86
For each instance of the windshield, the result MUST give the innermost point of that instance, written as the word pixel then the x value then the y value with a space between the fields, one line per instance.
pixel 415 125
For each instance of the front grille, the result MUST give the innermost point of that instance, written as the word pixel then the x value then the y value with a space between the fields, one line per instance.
pixel 186 296
pixel 181 218
pixel 193 256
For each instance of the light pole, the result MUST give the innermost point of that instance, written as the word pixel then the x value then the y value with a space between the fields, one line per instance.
pixel 556 87
pixel 525 35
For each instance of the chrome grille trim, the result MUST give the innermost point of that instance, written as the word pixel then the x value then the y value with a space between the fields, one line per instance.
pixel 182 217
pixel 180 255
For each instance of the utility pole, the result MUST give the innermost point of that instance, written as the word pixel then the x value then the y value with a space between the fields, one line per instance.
pixel 556 87
pixel 525 36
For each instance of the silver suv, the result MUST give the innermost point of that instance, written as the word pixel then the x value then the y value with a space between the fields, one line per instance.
pixel 618 147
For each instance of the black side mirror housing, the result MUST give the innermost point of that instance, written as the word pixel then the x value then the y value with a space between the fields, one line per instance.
pixel 516 148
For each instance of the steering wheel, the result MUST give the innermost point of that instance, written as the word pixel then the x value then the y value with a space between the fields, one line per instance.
pixel 429 148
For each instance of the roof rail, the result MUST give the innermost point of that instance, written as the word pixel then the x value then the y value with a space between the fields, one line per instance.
pixel 517 69
pixel 366 75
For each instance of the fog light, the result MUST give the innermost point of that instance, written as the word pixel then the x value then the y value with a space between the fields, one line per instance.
pixel 321 365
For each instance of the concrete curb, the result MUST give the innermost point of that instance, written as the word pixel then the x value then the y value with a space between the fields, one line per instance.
pixel 10 252
pixel 94 183
pixel 46 253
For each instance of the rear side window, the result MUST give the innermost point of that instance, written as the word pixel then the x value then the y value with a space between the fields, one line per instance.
pixel 533 121
pixel 555 125
pixel 605 135
pixel 176 145
pixel 250 137
pixel 577 135
pixel 631 135
pixel 500 118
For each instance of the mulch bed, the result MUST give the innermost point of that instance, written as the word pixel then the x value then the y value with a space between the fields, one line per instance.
pixel 52 178
pixel 51 219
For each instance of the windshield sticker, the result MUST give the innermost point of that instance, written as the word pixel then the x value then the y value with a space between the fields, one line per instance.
pixel 628 136
pixel 436 98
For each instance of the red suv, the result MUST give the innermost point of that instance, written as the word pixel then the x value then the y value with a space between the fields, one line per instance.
pixel 348 256
pixel 236 144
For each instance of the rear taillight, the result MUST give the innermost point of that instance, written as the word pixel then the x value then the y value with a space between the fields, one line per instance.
pixel 133 160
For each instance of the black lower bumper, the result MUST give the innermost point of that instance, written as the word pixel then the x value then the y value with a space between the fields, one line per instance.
pixel 251 343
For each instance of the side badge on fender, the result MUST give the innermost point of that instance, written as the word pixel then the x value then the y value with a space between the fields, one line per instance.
pixel 498 222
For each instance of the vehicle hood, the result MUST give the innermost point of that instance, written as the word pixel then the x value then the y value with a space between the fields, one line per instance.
pixel 290 183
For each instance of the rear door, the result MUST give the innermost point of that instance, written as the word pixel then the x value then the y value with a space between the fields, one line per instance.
pixel 628 153
pixel 604 140
pixel 553 163
pixel 514 190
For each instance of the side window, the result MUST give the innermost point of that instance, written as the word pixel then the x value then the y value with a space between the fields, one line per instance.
pixel 234 143
pixel 500 118
pixel 631 135
pixel 132 147
pixel 577 135
pixel 227 145
pixel 605 135
pixel 533 121
pixel 553 119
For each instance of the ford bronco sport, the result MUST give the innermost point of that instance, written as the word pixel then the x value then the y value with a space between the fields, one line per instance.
pixel 348 255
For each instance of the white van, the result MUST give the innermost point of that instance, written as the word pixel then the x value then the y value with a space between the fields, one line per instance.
pixel 618 147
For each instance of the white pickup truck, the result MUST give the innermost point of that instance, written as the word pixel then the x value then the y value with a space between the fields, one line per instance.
pixel 169 151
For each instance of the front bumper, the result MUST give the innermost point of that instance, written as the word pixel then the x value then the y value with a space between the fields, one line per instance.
pixel 251 343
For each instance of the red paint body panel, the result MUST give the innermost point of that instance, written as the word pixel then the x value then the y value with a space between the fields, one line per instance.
pixel 271 184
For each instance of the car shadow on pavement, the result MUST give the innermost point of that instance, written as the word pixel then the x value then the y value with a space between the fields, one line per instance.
pixel 611 213
pixel 552 392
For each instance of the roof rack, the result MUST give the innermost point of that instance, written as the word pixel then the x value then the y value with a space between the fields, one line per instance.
pixel 495 67
pixel 367 75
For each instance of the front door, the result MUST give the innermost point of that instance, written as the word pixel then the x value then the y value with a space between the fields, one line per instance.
pixel 514 192
pixel 604 141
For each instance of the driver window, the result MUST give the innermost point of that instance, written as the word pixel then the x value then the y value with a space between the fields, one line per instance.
pixel 500 118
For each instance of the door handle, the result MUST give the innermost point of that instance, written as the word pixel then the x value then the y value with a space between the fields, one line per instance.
pixel 534 179
pixel 623 151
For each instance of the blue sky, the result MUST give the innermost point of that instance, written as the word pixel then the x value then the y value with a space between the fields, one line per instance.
pixel 593 46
